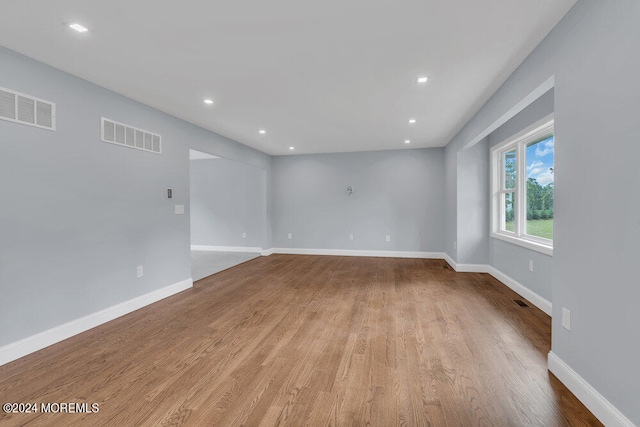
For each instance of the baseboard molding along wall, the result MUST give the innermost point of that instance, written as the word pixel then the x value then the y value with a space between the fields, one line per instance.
pixel 535 299
pixel 226 248
pixel 52 336
pixel 608 414
pixel 363 253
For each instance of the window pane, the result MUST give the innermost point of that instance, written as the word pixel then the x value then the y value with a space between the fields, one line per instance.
pixel 509 162
pixel 507 208
pixel 540 164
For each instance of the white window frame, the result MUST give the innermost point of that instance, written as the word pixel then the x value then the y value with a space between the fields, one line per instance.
pixel 518 142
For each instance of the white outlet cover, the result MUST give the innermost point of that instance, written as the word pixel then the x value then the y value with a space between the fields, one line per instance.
pixel 388 238
pixel 566 319
pixel 350 236
pixel 140 271
pixel 289 236
pixel 179 209
pixel 530 265
pixel 244 235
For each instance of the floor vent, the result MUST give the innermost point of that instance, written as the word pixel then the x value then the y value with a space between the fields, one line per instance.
pixel 129 136
pixel 521 303
pixel 28 110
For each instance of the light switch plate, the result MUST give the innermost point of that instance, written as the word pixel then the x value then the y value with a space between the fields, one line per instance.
pixel 179 209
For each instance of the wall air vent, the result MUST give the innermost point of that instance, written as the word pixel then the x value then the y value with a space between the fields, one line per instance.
pixel 129 136
pixel 20 108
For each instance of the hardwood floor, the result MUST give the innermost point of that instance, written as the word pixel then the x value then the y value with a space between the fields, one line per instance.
pixel 309 340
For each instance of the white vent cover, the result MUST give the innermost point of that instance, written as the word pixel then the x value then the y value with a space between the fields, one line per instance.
pixel 129 136
pixel 28 110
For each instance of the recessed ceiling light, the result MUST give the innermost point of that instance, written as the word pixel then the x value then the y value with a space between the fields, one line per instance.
pixel 208 101
pixel 406 141
pixel 422 79
pixel 262 131
pixel 79 28
pixel 292 148
pixel 412 121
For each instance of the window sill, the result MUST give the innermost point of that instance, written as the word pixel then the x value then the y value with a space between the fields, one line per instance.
pixel 529 244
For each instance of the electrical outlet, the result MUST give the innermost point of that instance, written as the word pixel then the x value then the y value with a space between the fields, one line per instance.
pixel 289 236
pixel 179 209
pixel 455 245
pixel 244 235
pixel 388 237
pixel 530 265
pixel 350 236
pixel 140 271
pixel 566 319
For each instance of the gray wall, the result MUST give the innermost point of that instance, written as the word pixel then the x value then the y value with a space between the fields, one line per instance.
pixel 511 259
pixel 77 214
pixel 451 201
pixel 227 199
pixel 473 204
pixel 399 192
pixel 591 53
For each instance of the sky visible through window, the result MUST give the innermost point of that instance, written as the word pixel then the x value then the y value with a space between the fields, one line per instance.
pixel 540 161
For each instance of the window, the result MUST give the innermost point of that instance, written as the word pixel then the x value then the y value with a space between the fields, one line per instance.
pixel 522 169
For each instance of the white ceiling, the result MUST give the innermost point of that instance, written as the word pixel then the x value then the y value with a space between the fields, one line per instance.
pixel 323 76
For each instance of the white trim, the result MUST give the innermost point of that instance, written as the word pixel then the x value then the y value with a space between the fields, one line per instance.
pixel 529 244
pixel 516 142
pixel 364 253
pixel 604 410
pixel 266 252
pixel 124 144
pixel 471 268
pixel 450 261
pixel 35 110
pixel 465 268
pixel 535 299
pixel 54 335
pixel 226 248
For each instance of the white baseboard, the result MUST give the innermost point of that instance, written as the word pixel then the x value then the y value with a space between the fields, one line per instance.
pixel 226 248
pixel 450 261
pixel 472 268
pixel 266 252
pixel 363 253
pixel 51 336
pixel 535 299
pixel 608 414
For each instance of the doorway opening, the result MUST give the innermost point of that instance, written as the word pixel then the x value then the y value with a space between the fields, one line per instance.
pixel 227 213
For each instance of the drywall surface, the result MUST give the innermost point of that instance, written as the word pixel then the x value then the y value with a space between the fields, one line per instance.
pixel 79 215
pixel 595 269
pixel 399 193
pixel 473 204
pixel 227 202
pixel 508 258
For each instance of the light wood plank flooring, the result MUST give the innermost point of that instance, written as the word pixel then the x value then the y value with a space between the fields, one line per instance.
pixel 309 340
